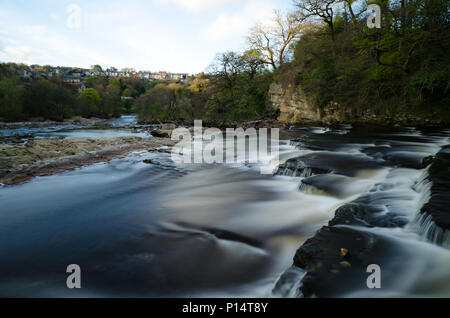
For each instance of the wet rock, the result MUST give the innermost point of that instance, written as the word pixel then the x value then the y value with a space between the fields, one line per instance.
pixel 297 168
pixel 15 139
pixel 439 204
pixel 345 264
pixel 327 274
pixel 161 150
pixel 338 186
pixel 168 126
pixel 344 252
pixel 427 161
pixel 336 258
pixel 340 163
pixel 160 133
pixel 365 215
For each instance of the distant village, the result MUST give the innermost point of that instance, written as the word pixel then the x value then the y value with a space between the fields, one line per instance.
pixel 76 76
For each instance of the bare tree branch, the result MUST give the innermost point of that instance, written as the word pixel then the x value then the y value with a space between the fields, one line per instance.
pixel 273 41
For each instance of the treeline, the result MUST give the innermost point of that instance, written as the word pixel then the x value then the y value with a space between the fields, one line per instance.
pixel 401 68
pixel 323 47
pixel 234 90
pixel 54 99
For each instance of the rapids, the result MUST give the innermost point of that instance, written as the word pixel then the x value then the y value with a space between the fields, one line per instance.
pixel 160 229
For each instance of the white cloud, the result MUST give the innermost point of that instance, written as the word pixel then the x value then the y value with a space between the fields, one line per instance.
pixel 18 54
pixel 42 45
pixel 140 35
pixel 55 16
pixel 227 25
pixel 195 5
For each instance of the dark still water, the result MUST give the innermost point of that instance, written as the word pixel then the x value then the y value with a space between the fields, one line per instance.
pixel 155 230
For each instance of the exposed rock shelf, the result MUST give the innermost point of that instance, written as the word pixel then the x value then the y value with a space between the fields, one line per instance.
pixel 41 157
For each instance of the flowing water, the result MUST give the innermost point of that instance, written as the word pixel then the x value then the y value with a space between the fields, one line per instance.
pixel 163 229
pixel 120 127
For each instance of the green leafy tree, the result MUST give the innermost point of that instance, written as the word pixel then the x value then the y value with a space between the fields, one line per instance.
pixel 48 99
pixel 11 97
pixel 97 68
pixel 401 68
pixel 88 102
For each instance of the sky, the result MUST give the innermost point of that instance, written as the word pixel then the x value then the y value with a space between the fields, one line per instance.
pixel 179 36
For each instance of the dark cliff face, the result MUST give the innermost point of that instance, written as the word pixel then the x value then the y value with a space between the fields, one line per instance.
pixel 297 107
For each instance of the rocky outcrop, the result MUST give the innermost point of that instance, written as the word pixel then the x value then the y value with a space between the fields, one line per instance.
pixel 293 104
pixel 296 107
pixel 40 157
pixel 433 222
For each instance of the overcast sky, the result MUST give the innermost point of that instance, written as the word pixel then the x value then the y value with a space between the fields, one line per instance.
pixel 155 35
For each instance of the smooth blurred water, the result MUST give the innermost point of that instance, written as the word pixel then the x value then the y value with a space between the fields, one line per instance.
pixel 120 127
pixel 125 120
pixel 158 229
pixel 94 133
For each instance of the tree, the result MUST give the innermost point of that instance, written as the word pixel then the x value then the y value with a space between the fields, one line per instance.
pixel 273 41
pixel 128 70
pixel 401 68
pixel 323 9
pixel 97 68
pixel 157 104
pixel 89 102
pixel 253 62
pixel 239 88
pixel 127 92
pixel 48 99
pixel 111 100
pixel 11 99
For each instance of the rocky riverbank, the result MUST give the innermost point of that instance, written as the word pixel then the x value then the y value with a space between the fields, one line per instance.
pixel 40 157
pixel 40 122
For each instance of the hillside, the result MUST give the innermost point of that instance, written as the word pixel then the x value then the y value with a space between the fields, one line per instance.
pixel 342 71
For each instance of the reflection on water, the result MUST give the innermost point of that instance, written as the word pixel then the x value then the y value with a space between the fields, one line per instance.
pixel 141 229
pixel 94 133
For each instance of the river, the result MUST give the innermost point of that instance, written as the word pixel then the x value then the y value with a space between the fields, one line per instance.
pixel 166 230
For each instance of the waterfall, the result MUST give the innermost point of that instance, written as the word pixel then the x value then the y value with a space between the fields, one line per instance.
pixel 423 187
pixel 310 189
pixel 299 171
pixel 423 223
pixel 289 283
pixel 429 230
